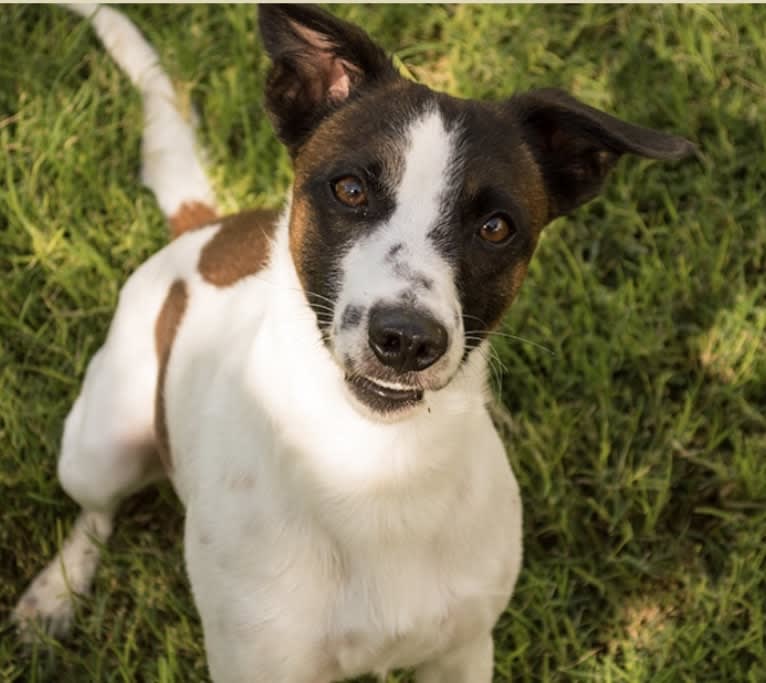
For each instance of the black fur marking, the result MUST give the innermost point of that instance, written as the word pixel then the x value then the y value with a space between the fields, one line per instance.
pixel 393 251
pixel 403 270
pixel 493 177
pixel 352 316
pixel 422 281
pixel 417 280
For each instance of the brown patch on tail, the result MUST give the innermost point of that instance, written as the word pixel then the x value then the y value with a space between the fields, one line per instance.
pixel 190 216
pixel 165 329
pixel 241 247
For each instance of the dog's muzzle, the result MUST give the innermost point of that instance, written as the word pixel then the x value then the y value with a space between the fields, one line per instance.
pixel 404 342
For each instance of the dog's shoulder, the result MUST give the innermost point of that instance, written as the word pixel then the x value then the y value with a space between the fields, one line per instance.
pixel 240 247
pixel 187 284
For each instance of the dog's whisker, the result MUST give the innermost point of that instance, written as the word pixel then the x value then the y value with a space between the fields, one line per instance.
pixel 323 308
pixel 515 337
pixel 474 317
pixel 495 372
pixel 309 293
pixel 495 356
pixel 322 311
pixel 512 337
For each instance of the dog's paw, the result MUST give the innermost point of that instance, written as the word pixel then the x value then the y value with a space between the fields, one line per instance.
pixel 46 607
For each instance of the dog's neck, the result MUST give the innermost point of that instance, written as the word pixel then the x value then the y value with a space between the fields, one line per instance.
pixel 294 373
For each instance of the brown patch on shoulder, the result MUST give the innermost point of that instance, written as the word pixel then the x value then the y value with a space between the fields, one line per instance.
pixel 191 216
pixel 165 329
pixel 241 247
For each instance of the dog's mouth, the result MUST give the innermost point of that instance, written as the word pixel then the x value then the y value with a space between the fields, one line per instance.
pixel 383 398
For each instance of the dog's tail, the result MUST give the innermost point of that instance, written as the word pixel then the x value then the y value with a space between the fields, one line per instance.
pixel 171 167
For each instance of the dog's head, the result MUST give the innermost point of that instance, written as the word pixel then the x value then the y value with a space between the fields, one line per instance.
pixel 415 214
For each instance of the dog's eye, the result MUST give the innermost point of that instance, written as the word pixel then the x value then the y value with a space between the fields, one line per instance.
pixel 350 190
pixel 497 229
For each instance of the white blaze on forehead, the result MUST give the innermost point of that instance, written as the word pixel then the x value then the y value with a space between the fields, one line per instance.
pixel 427 175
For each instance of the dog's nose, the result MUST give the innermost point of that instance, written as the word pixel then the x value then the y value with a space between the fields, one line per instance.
pixel 405 339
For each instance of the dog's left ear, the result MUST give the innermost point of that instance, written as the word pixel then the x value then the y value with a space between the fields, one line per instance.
pixel 577 145
pixel 319 62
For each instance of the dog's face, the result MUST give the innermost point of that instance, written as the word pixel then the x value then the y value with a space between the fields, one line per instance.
pixel 415 214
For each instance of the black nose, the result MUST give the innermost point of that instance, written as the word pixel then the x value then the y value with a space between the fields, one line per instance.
pixel 405 339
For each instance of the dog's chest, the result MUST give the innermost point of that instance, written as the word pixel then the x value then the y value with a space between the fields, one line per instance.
pixel 405 609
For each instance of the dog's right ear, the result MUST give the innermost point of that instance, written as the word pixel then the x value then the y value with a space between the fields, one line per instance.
pixel 318 63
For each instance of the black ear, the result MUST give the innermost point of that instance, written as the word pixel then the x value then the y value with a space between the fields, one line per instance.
pixel 318 63
pixel 577 145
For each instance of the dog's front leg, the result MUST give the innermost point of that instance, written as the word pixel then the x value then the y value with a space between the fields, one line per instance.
pixel 244 645
pixel 261 604
pixel 260 658
pixel 471 663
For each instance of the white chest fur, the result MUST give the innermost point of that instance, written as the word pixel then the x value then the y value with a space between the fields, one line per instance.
pixel 367 545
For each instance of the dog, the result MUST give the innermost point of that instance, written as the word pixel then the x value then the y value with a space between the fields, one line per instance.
pixel 313 382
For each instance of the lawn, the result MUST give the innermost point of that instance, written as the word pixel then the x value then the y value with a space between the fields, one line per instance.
pixel 634 413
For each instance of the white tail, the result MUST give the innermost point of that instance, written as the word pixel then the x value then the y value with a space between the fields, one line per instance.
pixel 171 167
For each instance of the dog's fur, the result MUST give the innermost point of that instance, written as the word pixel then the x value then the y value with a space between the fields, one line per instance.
pixel 349 505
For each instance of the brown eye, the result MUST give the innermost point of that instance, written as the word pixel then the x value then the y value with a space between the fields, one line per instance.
pixel 497 229
pixel 350 190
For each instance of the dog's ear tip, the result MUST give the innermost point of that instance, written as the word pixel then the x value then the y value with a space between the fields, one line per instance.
pixel 294 11
pixel 317 61
pixel 278 16
pixel 270 17
pixel 678 149
pixel 269 12
pixel 687 149
pixel 273 9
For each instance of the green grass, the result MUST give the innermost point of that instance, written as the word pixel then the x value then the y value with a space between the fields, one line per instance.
pixel 639 444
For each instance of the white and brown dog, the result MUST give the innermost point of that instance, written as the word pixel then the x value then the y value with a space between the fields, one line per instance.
pixel 314 383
